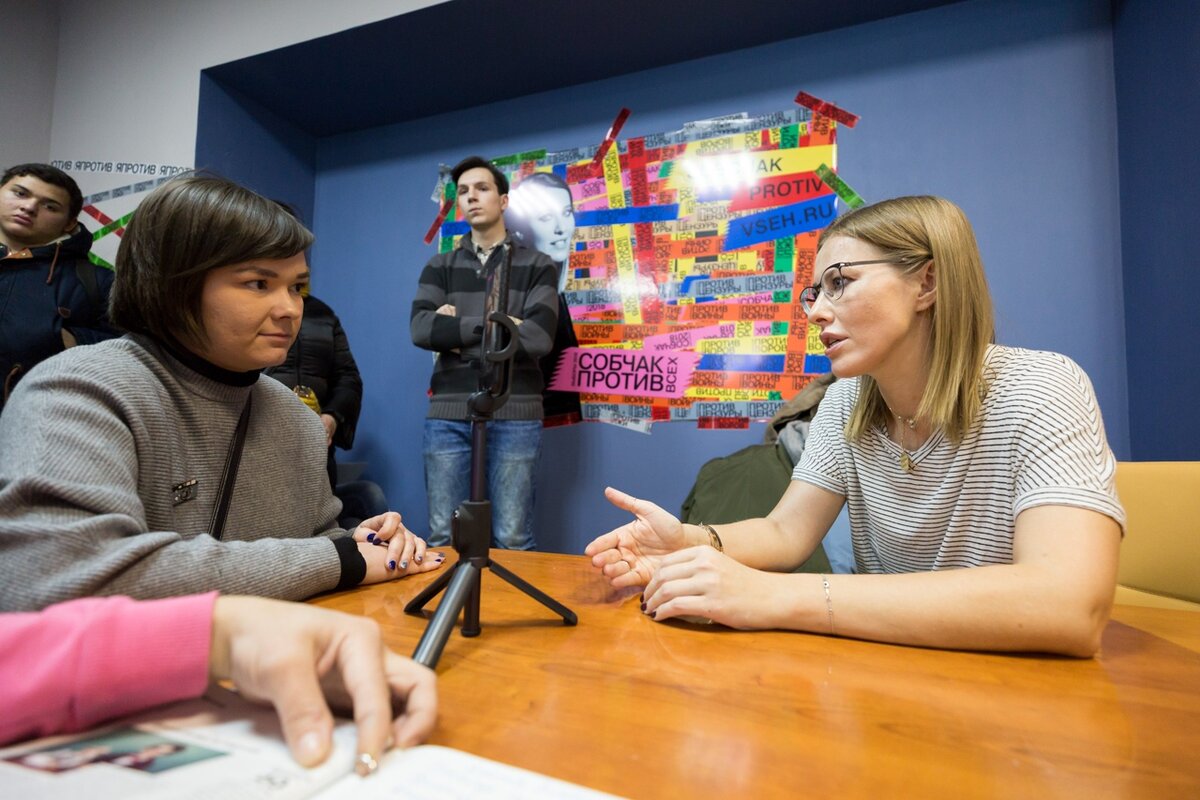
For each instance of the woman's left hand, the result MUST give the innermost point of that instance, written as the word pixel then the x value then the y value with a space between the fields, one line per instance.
pixel 404 547
pixel 701 582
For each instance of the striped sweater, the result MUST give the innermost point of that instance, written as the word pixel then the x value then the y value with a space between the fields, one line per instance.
pixel 457 278
pixel 1038 441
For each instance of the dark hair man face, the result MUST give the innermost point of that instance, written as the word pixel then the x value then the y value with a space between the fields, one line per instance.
pixel 33 212
pixel 481 204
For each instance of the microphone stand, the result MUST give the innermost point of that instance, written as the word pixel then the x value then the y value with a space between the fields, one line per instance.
pixel 471 526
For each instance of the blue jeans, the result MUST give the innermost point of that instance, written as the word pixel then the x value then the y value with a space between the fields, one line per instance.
pixel 514 447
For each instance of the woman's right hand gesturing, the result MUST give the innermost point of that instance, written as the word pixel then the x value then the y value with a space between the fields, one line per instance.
pixel 629 554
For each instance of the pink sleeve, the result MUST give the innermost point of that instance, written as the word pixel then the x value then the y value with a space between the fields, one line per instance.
pixel 82 662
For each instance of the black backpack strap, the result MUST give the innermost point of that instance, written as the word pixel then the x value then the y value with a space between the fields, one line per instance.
pixel 85 270
pixel 216 526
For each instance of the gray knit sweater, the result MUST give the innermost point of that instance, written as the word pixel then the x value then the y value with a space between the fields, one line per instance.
pixel 92 444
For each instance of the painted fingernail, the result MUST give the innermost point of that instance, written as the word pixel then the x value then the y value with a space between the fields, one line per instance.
pixel 391 565
pixel 643 606
pixel 370 537
pixel 403 564
pixel 653 614
pixel 418 558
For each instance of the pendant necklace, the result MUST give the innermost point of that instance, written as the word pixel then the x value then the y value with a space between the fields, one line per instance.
pixel 906 424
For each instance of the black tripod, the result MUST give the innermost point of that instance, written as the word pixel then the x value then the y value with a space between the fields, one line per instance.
pixel 471 527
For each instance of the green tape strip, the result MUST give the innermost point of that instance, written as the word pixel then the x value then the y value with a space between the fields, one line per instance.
pixel 785 254
pixel 665 170
pixel 840 187
pixel 789 137
pixel 532 155
pixel 112 226
pixel 100 262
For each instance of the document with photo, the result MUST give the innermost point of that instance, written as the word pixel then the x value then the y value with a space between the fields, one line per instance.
pixel 221 746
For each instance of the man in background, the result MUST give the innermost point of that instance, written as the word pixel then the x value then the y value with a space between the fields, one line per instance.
pixel 51 296
pixel 448 318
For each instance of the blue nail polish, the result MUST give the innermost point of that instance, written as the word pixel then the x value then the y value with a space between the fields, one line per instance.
pixel 370 537
pixel 403 564
pixel 391 565
pixel 419 559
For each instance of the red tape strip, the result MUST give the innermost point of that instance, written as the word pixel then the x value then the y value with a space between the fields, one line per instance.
pixel 827 109
pixel 611 137
pixel 437 223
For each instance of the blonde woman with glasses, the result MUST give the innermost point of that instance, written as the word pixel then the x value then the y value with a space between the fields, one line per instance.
pixel 979 481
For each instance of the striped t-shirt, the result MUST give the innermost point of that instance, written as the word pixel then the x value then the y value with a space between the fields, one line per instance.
pixel 1039 440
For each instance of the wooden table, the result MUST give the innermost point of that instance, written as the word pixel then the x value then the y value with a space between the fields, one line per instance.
pixel 648 710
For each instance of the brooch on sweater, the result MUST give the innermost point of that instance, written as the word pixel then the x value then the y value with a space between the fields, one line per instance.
pixel 182 492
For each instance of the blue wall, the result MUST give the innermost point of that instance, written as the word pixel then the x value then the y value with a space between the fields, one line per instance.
pixel 247 143
pixel 1006 108
pixel 1157 46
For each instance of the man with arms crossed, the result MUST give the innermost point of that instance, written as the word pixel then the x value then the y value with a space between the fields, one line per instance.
pixel 448 318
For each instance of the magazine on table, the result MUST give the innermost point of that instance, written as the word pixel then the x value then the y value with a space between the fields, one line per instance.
pixel 222 747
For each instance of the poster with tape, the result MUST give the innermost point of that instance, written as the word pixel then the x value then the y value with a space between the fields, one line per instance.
pixel 682 258
pixel 112 191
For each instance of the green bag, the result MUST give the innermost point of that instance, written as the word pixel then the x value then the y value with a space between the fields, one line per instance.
pixel 744 485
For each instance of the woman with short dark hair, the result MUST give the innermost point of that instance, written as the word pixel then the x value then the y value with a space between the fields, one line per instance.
pixel 115 458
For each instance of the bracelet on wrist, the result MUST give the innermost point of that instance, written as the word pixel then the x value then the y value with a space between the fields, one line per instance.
pixel 714 538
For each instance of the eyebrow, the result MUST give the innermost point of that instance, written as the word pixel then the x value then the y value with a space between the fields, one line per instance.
pixel 42 198
pixel 267 273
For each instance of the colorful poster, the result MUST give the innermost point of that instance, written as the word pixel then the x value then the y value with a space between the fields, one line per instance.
pixel 686 251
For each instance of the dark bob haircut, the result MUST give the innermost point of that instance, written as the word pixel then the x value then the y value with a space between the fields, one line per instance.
pixel 473 162
pixel 180 232
pixel 53 176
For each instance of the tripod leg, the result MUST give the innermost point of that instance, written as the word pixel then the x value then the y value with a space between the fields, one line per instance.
pixel 568 616
pixel 418 602
pixel 429 649
pixel 470 626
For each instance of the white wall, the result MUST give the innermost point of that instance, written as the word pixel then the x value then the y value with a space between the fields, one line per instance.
pixel 28 62
pixel 128 71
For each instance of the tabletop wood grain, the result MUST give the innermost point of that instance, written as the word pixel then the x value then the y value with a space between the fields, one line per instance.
pixel 642 709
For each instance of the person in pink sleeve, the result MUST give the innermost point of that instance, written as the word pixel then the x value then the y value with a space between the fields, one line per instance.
pixel 82 662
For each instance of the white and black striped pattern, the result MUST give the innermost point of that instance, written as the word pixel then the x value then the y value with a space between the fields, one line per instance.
pixel 1038 441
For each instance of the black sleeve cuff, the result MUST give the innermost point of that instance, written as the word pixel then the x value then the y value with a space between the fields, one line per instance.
pixel 354 566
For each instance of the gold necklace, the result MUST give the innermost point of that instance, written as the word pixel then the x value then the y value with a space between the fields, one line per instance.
pixel 905 423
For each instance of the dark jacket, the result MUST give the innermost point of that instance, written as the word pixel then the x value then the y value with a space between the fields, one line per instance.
pixel 457 278
pixel 321 359
pixel 560 408
pixel 42 291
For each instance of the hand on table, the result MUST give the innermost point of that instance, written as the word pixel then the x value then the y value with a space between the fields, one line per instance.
pixel 701 582
pixel 392 550
pixel 629 554
pixel 295 657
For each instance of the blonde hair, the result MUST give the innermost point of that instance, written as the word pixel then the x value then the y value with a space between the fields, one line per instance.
pixel 912 231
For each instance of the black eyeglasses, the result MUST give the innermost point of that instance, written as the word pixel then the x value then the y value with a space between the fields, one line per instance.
pixel 832 283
